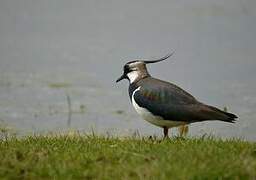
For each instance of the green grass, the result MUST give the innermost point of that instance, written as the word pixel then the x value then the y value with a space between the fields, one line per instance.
pixel 59 85
pixel 91 157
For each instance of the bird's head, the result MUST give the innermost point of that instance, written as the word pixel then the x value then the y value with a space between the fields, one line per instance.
pixel 136 70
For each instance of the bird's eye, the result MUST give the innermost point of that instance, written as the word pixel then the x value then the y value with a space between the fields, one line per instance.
pixel 126 69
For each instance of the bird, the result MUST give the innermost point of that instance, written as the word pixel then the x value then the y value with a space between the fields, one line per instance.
pixel 164 104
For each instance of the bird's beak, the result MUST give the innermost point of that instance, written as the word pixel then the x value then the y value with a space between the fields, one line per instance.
pixel 121 78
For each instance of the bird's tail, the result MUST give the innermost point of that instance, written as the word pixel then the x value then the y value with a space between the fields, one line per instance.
pixel 222 115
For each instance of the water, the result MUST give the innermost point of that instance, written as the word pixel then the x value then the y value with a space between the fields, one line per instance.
pixel 54 49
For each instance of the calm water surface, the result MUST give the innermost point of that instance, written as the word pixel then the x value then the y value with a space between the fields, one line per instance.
pixel 53 49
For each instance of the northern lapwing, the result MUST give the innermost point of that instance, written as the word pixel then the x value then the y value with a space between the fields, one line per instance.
pixel 164 104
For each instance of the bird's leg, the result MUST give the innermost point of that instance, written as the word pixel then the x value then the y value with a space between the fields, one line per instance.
pixel 183 130
pixel 165 132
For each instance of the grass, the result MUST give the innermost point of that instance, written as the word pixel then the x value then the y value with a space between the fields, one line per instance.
pixel 58 85
pixel 93 157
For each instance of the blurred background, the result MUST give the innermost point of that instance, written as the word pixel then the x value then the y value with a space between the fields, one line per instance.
pixel 55 50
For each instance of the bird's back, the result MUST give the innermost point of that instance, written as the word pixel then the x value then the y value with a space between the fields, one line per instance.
pixel 173 103
pixel 163 91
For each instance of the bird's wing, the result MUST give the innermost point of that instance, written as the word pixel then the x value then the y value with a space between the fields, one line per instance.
pixel 172 103
pixel 162 92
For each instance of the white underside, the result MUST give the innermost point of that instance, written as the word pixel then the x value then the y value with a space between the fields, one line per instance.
pixel 156 120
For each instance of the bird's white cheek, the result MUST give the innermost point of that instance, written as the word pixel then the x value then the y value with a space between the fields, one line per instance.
pixel 133 76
